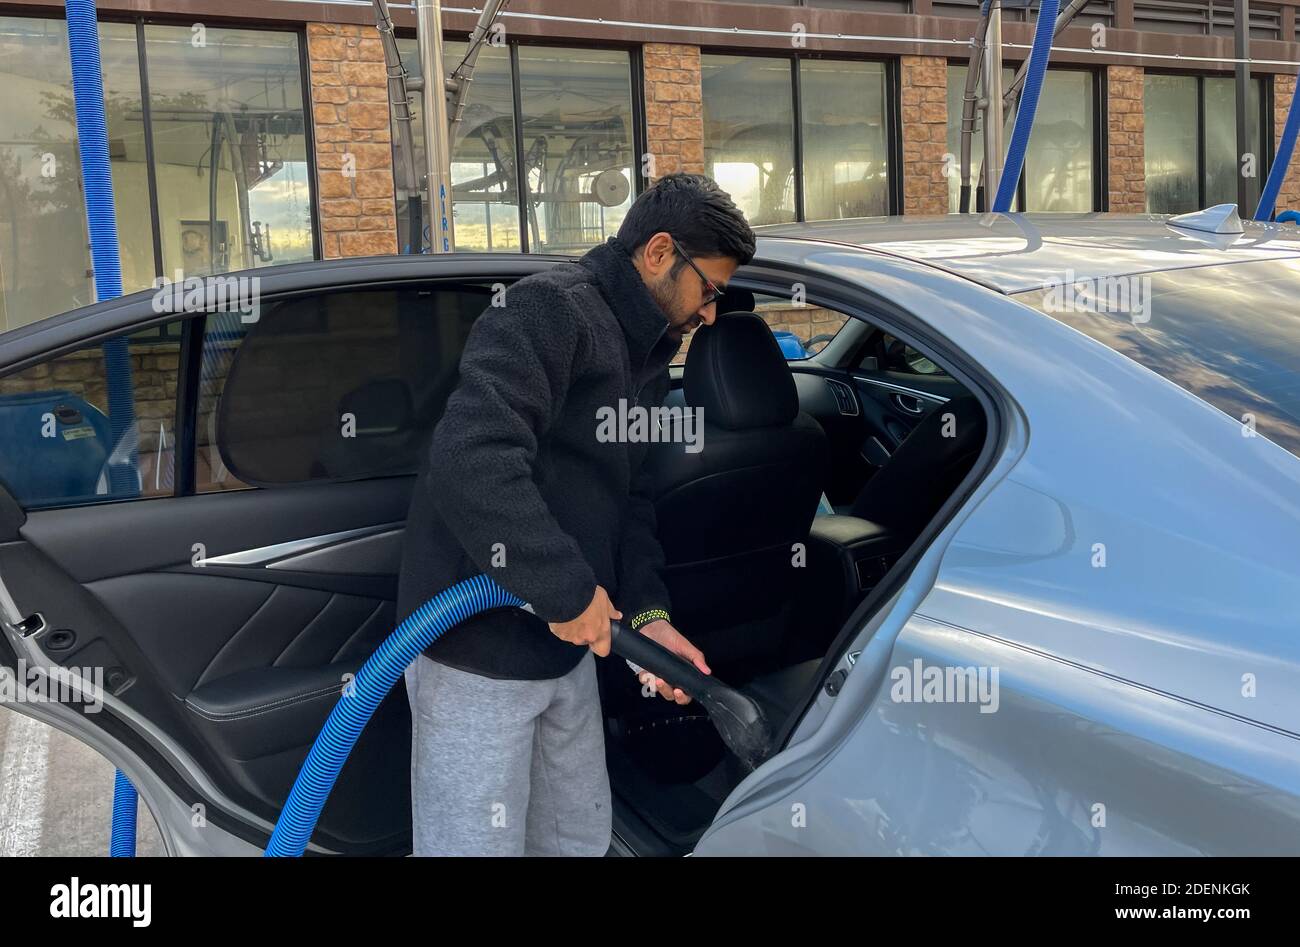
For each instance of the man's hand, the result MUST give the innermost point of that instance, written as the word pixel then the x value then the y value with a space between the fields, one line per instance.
pixel 672 639
pixel 592 626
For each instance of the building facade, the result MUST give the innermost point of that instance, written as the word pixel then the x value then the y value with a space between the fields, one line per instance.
pixel 255 132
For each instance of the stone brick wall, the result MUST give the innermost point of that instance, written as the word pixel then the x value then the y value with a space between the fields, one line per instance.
pixel 673 108
pixel 1288 198
pixel 1126 130
pixel 354 157
pixel 925 134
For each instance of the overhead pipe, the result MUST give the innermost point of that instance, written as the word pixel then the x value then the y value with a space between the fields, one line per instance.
pixel 969 101
pixel 399 97
pixel 1012 94
pixel 993 145
pixel 437 147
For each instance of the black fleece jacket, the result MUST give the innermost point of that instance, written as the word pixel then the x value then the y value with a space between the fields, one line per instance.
pixel 516 483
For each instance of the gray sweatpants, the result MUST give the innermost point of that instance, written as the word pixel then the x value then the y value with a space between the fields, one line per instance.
pixel 507 767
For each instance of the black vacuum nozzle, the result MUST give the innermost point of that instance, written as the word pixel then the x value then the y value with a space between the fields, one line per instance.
pixel 738 718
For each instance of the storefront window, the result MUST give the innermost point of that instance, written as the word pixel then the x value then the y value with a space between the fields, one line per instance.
pixel 749 133
pixel 230 148
pixel 1059 159
pixel 577 131
pixel 484 188
pixel 845 142
pixel 44 255
pixel 1182 112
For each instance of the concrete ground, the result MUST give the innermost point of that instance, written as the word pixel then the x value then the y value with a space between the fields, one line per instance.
pixel 56 794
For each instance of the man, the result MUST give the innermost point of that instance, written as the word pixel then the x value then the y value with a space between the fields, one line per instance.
pixel 507 739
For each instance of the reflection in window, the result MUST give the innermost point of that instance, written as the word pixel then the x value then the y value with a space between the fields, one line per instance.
pixel 1059 159
pixel 44 260
pixel 486 199
pixel 845 155
pixel 233 103
pixel 1182 111
pixel 749 133
pixel 1221 166
pixel 1171 174
pixel 578 152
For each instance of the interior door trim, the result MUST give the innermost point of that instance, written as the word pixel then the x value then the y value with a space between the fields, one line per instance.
pixel 902 389
pixel 262 555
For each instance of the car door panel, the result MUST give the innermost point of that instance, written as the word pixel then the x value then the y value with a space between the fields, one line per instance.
pixel 226 623
pixel 239 665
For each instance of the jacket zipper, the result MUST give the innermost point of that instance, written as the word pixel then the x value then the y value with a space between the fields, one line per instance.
pixel 636 395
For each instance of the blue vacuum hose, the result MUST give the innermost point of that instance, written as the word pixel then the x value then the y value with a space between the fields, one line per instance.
pixel 122 844
pixel 362 697
pixel 1038 57
pixel 101 225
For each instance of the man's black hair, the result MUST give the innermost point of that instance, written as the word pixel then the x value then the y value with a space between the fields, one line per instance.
pixel 698 213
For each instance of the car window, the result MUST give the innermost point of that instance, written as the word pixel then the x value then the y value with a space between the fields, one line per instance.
pixel 1229 334
pixel 94 424
pixel 332 386
pixel 801 329
pixel 888 354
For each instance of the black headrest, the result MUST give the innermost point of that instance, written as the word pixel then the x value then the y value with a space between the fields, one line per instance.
pixel 736 299
pixel 735 371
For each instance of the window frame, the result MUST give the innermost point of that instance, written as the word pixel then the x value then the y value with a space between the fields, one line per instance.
pixel 636 88
pixel 1266 136
pixel 892 115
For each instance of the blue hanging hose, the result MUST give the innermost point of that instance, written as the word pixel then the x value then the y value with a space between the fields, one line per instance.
pixel 122 844
pixel 1285 147
pixel 1038 56
pixel 101 225
pixel 362 696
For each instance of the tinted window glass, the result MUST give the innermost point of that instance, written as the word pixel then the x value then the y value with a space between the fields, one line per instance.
pixel 1228 334
pixel 94 424
pixel 335 386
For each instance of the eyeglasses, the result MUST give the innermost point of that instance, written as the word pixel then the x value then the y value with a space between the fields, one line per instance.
pixel 711 289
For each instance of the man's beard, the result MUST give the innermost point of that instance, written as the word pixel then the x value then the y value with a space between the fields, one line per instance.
pixel 662 292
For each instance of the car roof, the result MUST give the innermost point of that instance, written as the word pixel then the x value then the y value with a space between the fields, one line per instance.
pixel 1013 253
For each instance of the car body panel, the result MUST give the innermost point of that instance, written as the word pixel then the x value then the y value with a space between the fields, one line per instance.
pixel 1016 252
pixel 1201 528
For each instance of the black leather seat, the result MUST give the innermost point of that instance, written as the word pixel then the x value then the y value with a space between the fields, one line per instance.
pixel 926 468
pixel 730 514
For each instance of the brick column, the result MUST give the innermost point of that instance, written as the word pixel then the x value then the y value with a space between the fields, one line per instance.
pixel 674 114
pixel 1126 130
pixel 354 155
pixel 925 134
pixel 1288 198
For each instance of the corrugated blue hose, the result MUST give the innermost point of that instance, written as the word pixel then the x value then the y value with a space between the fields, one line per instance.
pixel 101 225
pixel 362 696
pixel 122 844
pixel 1038 56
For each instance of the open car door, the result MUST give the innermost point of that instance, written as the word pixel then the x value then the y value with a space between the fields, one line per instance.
pixel 201 513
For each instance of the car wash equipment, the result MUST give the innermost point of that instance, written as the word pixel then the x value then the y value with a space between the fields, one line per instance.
pixel 739 720
pixel 1038 56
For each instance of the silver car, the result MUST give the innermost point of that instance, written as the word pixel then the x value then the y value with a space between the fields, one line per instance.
pixel 1010 563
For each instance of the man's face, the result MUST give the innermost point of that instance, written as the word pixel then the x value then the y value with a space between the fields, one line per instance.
pixel 682 295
